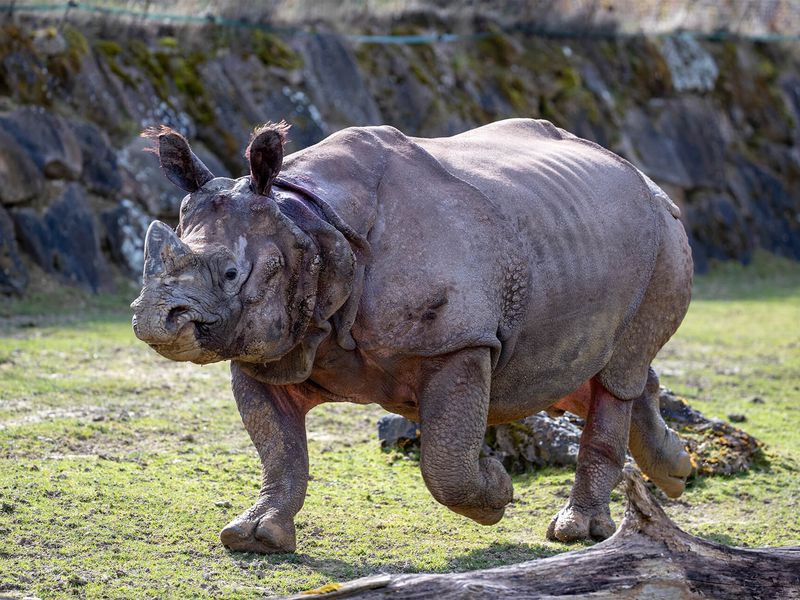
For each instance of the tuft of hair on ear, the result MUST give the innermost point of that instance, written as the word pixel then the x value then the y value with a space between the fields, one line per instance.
pixel 281 128
pixel 265 155
pixel 154 133
pixel 179 163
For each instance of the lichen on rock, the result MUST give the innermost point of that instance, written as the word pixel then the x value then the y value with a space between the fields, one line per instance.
pixel 691 66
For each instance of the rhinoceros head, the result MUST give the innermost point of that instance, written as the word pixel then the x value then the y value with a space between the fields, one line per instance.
pixel 237 279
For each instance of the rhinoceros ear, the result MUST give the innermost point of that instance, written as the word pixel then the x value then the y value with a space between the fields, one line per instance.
pixel 178 162
pixel 265 153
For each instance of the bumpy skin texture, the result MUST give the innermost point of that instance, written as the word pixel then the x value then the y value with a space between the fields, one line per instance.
pixel 456 281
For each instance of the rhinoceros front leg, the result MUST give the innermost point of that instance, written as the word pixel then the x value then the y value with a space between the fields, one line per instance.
pixel 453 409
pixel 276 424
pixel 600 460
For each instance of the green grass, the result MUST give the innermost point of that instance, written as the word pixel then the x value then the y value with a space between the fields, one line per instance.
pixel 119 468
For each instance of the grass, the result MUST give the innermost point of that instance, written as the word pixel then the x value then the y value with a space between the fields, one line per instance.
pixel 119 468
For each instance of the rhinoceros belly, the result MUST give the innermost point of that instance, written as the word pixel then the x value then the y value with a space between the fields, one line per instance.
pixel 588 227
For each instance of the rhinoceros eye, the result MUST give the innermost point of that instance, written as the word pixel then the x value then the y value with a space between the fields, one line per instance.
pixel 231 274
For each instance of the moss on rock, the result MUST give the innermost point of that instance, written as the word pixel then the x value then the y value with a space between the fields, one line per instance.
pixel 273 51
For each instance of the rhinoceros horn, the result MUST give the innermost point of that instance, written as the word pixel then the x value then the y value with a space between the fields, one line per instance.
pixel 161 244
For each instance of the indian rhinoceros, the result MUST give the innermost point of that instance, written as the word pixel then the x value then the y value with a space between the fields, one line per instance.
pixel 458 281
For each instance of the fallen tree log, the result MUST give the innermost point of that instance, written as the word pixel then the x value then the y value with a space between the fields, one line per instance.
pixel 648 557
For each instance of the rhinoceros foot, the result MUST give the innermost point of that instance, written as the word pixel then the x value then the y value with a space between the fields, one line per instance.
pixel 667 464
pixel 263 533
pixel 573 523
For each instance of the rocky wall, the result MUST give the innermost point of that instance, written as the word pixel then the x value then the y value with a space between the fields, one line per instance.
pixel 715 123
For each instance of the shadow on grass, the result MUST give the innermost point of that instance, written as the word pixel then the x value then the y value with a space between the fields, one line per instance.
pixel 493 555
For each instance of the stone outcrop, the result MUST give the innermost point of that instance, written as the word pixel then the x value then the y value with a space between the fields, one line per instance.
pixel 64 240
pixel 13 273
pixel 717 124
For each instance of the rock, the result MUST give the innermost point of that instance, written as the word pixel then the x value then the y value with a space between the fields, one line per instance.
pixel 146 183
pixel 308 126
pixel 100 173
pixel 13 274
pixel 335 83
pixel 737 418
pixel 34 237
pixel 691 67
pixel 676 411
pixel 535 441
pixel 395 431
pixel 211 160
pixel 245 92
pixel 48 140
pixel 680 141
pixel 22 179
pixel 790 85
pixel 64 241
pixel 716 447
pixel 126 226
pixel 594 82
pixel 718 227
pixel 49 42
pixel 104 98
pixel 656 155
pixel 772 211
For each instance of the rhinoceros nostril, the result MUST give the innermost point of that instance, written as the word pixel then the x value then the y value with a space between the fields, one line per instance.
pixel 175 315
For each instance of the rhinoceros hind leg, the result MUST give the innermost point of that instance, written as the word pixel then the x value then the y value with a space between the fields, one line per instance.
pixel 600 460
pixel 658 450
pixel 661 311
pixel 454 406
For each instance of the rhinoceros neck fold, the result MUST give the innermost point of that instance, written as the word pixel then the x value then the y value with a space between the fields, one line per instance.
pixel 346 254
pixel 307 190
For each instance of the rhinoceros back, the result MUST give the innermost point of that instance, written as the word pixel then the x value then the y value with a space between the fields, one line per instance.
pixel 590 228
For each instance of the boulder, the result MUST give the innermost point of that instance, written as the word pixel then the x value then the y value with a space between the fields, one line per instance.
pixel 48 41
pixel 13 274
pixel 335 83
pixel 655 154
pixel 395 431
pixel 772 210
pixel 245 92
pixel 692 68
pixel 48 140
pixel 126 226
pixel 718 227
pixel 716 447
pixel 296 107
pixel 536 441
pixel 64 240
pixel 100 172
pixel 680 141
pixel 22 179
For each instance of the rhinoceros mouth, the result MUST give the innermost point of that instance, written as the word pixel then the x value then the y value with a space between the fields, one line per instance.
pixel 186 347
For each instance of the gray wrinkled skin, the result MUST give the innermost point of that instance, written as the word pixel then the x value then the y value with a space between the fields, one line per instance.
pixel 456 281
